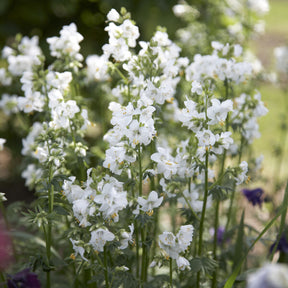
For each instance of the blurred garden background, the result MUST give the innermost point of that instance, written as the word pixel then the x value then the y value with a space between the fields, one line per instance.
pixel 45 18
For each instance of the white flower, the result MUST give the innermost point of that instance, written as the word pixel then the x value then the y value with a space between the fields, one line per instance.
pixel 81 210
pixel 2 141
pixel 272 275
pixel 190 117
pixel 126 237
pixel 29 142
pixel 206 138
pixel 196 88
pixel 78 249
pixel 281 55
pixel 112 200
pixel 184 237
pixel 32 174
pixel 59 80
pixel 237 50
pixel 130 32
pixel 2 197
pixel 5 80
pixel 261 7
pixel 97 67
pixel 99 239
pixel 182 263
pixel 242 175
pixel 166 164
pixel 161 38
pixel 167 242
pixel 113 15
pixel 32 101
pixel 9 104
pixel 115 157
pixel 152 202
pixel 72 191
pixel 67 43
pixel 218 111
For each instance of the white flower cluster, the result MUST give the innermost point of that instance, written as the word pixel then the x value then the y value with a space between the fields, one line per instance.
pixel 281 55
pixel 213 66
pixel 108 199
pixel 25 58
pixel 247 111
pixel 174 245
pixel 67 44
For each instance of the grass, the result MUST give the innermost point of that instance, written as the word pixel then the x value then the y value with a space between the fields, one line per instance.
pixel 273 96
pixel 277 20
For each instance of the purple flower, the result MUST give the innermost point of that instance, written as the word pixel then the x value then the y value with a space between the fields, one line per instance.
pixel 221 238
pixel 254 195
pixel 282 245
pixel 220 235
pixel 24 279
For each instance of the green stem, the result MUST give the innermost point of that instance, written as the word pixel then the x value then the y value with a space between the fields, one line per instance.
pixel 49 228
pixel 121 75
pixel 201 227
pixel 190 207
pixel 106 268
pixel 230 210
pixel 144 257
pixel 137 232
pixel 137 249
pixel 140 170
pixel 170 270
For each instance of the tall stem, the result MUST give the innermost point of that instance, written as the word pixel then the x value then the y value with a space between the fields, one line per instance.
pixel 201 227
pixel 142 232
pixel 49 228
pixel 230 210
pixel 217 205
pixel 171 275
pixel 106 268
pixel 144 256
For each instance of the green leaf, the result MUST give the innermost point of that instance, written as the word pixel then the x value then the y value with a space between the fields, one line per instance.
pixel 219 192
pixel 205 264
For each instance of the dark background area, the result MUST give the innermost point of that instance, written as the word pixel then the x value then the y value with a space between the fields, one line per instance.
pixel 45 18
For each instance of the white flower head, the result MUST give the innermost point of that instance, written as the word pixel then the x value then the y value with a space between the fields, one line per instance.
pixel 127 238
pixel 152 202
pixel 182 263
pixel 2 197
pixel 113 15
pixel 206 138
pixel 218 111
pixel 2 141
pixel 196 87
pixel 272 275
pixel 167 242
pixel 242 176
pixel 78 249
pixel 99 239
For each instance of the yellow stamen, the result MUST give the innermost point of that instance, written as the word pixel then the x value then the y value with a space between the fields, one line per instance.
pixel 72 256
pixel 150 212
